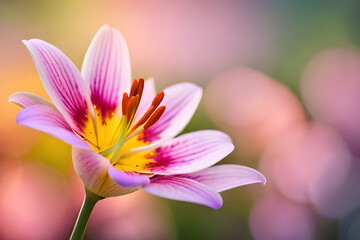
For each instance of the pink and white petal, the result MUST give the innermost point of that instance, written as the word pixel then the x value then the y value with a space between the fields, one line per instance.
pixel 24 99
pixel 184 189
pixel 191 152
pixel 126 179
pixel 49 120
pixel 91 167
pixel 62 81
pixel 224 177
pixel 181 101
pixel 147 97
pixel 106 68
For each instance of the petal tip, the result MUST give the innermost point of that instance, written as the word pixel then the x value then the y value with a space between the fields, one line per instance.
pixel 105 26
pixel 127 180
pixel 198 91
pixel 29 41
pixel 217 205
pixel 227 148
pixel 26 43
pixel 260 178
pixel 263 179
pixel 150 79
pixel 20 116
pixel 231 147
pixel 10 99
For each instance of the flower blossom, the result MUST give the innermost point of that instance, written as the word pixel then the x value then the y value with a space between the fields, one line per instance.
pixel 123 134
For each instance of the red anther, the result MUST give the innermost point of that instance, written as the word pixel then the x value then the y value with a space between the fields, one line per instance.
pixel 133 88
pixel 143 119
pixel 147 115
pixel 155 117
pixel 157 99
pixel 137 102
pixel 125 101
pixel 130 108
pixel 140 87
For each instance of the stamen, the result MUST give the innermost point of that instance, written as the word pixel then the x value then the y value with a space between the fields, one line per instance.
pixel 133 88
pixel 112 152
pixel 146 116
pixel 155 103
pixel 155 117
pixel 129 108
pixel 158 99
pixel 125 101
pixel 140 88
pixel 132 107
pixel 137 102
pixel 130 103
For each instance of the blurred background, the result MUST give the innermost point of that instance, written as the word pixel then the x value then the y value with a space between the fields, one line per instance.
pixel 282 78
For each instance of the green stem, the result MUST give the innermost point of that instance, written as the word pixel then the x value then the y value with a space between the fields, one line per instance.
pixel 88 205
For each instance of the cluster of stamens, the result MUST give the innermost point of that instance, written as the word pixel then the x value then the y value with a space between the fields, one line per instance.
pixel 130 104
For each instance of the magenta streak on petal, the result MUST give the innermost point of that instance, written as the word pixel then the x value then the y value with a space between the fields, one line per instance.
pixel 70 96
pixel 113 95
pixel 170 156
pixel 46 119
pixel 103 85
pixel 153 133
pixel 55 71
pixel 98 90
pixel 190 152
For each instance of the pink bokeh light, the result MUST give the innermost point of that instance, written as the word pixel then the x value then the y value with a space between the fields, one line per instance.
pixel 36 202
pixel 275 217
pixel 309 164
pixel 252 107
pixel 330 86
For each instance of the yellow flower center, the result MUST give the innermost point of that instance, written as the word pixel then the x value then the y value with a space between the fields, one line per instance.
pixel 114 136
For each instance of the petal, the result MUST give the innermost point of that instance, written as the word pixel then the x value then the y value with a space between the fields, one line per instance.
pixel 184 189
pixel 191 152
pixel 146 98
pixel 106 68
pixel 127 180
pixel 49 120
pixel 181 101
pixel 24 99
pixel 62 81
pixel 224 177
pixel 92 168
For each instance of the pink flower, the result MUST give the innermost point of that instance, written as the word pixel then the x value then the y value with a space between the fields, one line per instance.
pixel 123 134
